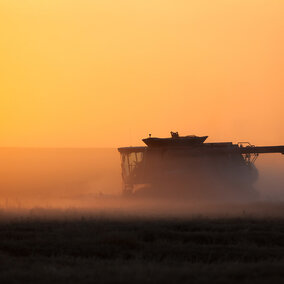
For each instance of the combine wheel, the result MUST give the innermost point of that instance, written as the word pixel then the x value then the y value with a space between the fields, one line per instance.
pixel 127 189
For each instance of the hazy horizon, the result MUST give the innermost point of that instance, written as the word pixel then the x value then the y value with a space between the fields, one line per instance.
pixel 74 177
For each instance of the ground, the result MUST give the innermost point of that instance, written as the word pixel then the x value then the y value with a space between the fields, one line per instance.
pixel 142 250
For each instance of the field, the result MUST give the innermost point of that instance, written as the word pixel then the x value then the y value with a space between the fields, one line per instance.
pixel 105 249
pixel 57 227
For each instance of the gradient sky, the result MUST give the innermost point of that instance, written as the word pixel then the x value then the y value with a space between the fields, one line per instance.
pixel 105 73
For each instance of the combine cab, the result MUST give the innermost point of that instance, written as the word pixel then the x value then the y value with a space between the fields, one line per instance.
pixel 186 166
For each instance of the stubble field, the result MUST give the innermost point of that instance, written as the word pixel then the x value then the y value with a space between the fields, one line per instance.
pixel 112 249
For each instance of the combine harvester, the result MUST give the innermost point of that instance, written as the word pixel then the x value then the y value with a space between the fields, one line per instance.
pixel 186 167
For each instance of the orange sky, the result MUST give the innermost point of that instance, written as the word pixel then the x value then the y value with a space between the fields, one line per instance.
pixel 87 73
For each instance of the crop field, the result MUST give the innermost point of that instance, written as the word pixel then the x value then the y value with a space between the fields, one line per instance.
pixel 101 249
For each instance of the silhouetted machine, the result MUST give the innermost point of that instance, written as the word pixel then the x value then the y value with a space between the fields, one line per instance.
pixel 186 166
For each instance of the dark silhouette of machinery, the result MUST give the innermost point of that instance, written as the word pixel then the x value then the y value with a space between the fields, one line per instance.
pixel 187 167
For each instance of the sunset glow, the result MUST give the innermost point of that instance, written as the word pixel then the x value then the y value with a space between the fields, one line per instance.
pixel 106 73
pixel 83 199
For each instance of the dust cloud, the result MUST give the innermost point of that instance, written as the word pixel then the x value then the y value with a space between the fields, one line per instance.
pixel 71 182
pixel 55 176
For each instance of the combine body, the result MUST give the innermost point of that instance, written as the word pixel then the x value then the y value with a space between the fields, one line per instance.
pixel 186 166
